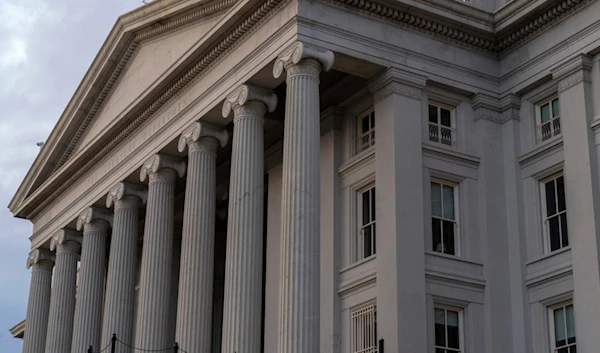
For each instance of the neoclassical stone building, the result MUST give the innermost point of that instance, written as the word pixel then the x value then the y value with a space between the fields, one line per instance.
pixel 335 176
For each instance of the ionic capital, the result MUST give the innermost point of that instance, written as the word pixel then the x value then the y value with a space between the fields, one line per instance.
pixel 161 161
pixel 68 238
pixel 94 219
pixel 40 256
pixel 249 93
pixel 198 130
pixel 124 189
pixel 299 51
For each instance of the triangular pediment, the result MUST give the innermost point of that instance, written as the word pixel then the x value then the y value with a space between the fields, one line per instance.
pixel 151 59
pixel 142 52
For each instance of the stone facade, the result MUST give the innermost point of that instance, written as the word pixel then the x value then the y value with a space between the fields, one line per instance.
pixel 339 176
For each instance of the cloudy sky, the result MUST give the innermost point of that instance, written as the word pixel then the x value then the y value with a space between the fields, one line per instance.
pixel 46 46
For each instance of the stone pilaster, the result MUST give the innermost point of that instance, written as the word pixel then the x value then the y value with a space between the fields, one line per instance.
pixel 399 211
pixel 243 263
pixel 87 328
pixel 67 244
pixel 41 262
pixel 582 193
pixel 119 304
pixel 194 309
pixel 152 327
pixel 299 304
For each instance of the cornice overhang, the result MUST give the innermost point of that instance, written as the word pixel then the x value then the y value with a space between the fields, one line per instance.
pixel 110 63
pixel 239 22
pixel 496 41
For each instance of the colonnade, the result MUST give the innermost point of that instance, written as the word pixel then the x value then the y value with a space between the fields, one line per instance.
pixel 66 321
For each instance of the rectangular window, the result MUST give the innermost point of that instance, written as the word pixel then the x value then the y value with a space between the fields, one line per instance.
pixel 366 242
pixel 548 119
pixel 555 213
pixel 562 329
pixel 364 330
pixel 366 130
pixel 441 124
pixel 448 329
pixel 444 226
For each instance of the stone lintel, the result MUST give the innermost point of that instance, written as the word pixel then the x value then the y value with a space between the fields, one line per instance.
pixel 298 51
pixel 397 81
pixel 40 256
pixel 161 161
pixel 123 189
pixel 572 72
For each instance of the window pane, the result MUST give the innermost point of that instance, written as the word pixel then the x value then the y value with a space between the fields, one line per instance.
pixel 550 199
pixel 374 235
pixel 436 202
pixel 559 327
pixel 372 120
pixel 448 237
pixel 553 228
pixel 372 204
pixel 433 114
pixel 365 124
pixel 563 350
pixel 440 350
pixel 436 230
pixel 448 199
pixel 570 324
pixel 560 190
pixel 440 328
pixel 367 250
pixel 366 212
pixel 445 119
pixel 545 112
pixel 453 340
pixel 563 229
pixel 555 108
pixel 573 349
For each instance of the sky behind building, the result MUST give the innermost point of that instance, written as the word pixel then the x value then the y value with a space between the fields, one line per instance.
pixel 46 46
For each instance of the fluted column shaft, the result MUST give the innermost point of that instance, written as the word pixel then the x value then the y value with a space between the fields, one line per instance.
pixel 90 294
pixel 120 280
pixel 300 257
pixel 152 327
pixel 194 308
pixel 243 263
pixel 38 307
pixel 62 300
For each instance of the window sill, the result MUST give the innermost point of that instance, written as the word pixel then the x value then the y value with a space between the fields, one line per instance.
pixel 443 268
pixel 358 274
pixel 548 266
pixel 451 153
pixel 357 161
pixel 541 150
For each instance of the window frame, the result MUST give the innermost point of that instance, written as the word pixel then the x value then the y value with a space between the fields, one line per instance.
pixel 538 119
pixel 439 106
pixel 545 219
pixel 370 134
pixel 353 330
pixel 461 335
pixel 551 327
pixel 455 194
pixel 358 251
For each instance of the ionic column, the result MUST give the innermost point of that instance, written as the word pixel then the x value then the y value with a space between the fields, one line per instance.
pixel 38 307
pixel 243 263
pixel 152 326
pixel 67 243
pixel 88 311
pixel 194 308
pixel 120 280
pixel 300 228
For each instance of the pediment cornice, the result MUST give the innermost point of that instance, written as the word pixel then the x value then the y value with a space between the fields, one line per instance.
pixel 496 42
pixel 75 167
